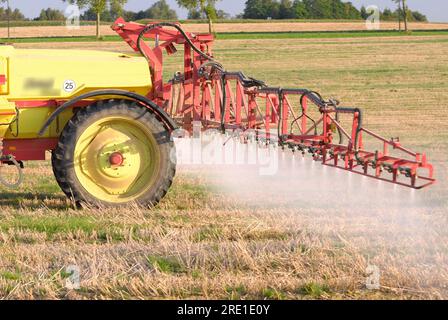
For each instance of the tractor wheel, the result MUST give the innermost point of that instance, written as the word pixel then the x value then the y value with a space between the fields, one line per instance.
pixel 114 153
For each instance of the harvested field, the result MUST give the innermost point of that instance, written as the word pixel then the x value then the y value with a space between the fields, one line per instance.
pixel 208 240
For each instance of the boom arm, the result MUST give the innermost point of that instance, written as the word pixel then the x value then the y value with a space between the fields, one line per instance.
pixel 229 100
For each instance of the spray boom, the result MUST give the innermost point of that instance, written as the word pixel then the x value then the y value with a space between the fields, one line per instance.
pixel 296 118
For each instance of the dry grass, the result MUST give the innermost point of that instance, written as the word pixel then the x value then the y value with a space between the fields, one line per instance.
pixel 52 31
pixel 202 243
pixel 199 245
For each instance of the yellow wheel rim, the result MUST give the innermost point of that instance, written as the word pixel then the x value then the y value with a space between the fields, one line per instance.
pixel 116 159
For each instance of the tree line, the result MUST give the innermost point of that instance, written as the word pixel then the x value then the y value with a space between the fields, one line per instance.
pixel 14 15
pixel 159 10
pixel 109 10
pixel 202 9
pixel 317 9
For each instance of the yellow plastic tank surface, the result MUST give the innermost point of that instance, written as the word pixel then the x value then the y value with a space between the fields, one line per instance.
pixel 42 75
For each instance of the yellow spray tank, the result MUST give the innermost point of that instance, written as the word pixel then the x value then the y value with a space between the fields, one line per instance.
pixel 59 75
pixel 116 147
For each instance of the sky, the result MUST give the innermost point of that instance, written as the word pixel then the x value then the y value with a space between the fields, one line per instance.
pixel 435 10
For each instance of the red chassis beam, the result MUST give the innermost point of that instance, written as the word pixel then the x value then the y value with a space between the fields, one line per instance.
pixel 29 149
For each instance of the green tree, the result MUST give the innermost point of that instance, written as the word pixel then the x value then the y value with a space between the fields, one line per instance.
pixel 351 12
pixel 319 9
pixel 285 10
pixel 404 7
pixel 116 8
pixel 8 14
pixel 262 9
pixel 51 15
pixel 402 13
pixel 207 7
pixel 98 7
pixel 417 16
pixel 90 15
pixel 161 10
pixel 300 11
pixel 194 14
pixel 222 15
pixel 399 13
pixel 15 15
pixel 255 9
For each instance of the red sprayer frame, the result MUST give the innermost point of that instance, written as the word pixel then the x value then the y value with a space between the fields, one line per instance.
pixel 229 100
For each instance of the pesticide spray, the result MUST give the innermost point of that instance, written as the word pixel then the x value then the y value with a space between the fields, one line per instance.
pixel 386 223
pixel 265 175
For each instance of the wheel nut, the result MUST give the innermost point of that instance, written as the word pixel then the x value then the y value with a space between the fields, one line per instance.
pixel 116 159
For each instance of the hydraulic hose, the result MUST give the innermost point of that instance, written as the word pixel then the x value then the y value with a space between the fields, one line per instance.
pixel 19 180
pixel 319 101
pixel 224 101
pixel 280 115
pixel 210 61
pixel 246 81
pixel 182 32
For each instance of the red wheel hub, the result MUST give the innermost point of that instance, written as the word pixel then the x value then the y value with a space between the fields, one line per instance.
pixel 116 159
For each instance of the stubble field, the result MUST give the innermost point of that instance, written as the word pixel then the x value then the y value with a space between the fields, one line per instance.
pixel 206 240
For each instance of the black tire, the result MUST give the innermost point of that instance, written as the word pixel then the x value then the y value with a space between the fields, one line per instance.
pixel 63 156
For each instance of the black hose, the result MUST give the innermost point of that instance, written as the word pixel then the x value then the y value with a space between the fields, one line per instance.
pixel 319 101
pixel 10 159
pixel 280 115
pixel 212 64
pixel 224 102
pixel 182 32
pixel 246 81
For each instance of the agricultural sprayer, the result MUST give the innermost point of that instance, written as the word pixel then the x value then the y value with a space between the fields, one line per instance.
pixel 108 118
